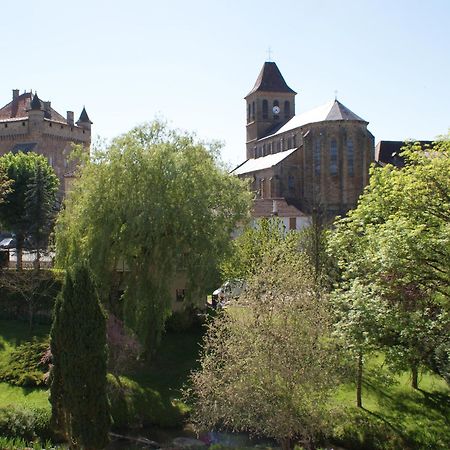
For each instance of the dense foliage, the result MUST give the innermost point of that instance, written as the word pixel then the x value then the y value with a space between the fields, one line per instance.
pixel 268 366
pixel 78 377
pixel 29 205
pixel 394 253
pixel 26 364
pixel 153 202
pixel 253 244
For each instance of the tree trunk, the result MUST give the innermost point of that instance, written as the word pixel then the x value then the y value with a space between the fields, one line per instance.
pixel 285 443
pixel 359 375
pixel 19 251
pixel 414 376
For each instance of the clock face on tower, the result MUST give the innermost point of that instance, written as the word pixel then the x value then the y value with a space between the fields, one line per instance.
pixel 276 110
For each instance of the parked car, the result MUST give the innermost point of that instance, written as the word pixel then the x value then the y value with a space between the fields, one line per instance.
pixel 8 242
pixel 229 290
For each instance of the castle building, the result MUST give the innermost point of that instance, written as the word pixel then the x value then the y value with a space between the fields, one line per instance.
pixel 315 161
pixel 28 124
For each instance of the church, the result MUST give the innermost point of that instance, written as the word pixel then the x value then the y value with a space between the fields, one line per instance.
pixel 299 165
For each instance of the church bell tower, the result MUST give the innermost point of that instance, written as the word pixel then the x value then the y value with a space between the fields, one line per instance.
pixel 270 104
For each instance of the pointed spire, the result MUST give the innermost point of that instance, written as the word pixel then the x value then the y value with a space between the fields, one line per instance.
pixel 36 104
pixel 84 118
pixel 270 80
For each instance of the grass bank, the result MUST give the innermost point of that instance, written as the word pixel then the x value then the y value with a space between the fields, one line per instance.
pixel 394 416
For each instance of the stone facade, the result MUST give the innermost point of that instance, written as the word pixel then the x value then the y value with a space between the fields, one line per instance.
pixel 318 160
pixel 29 124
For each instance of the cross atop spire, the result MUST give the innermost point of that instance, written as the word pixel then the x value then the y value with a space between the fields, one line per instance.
pixel 269 54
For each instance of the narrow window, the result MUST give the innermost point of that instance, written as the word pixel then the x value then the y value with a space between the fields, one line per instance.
pixel 291 183
pixel 292 223
pixel 333 158
pixel 287 109
pixel 289 142
pixel 317 157
pixel 253 111
pixel 248 112
pixel 264 150
pixel 265 109
pixel 350 158
pixel 294 138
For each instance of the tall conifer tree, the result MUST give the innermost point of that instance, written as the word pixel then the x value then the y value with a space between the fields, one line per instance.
pixel 78 343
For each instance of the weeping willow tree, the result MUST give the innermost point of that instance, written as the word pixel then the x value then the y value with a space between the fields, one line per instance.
pixel 155 200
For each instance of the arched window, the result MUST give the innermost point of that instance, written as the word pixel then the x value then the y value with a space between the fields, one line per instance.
pixel 333 158
pixel 253 111
pixel 287 109
pixel 265 109
pixel 350 158
pixel 316 157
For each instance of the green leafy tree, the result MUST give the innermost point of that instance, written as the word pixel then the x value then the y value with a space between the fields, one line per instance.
pixel 251 247
pixel 268 365
pixel 40 205
pixel 397 243
pixel 78 379
pixel 157 202
pixel 5 185
pixel 25 210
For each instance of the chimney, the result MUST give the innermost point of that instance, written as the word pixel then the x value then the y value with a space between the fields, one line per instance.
pixel 15 94
pixel 274 208
pixel 70 118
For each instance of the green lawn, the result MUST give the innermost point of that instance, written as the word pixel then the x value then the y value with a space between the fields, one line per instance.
pixel 418 419
pixel 13 333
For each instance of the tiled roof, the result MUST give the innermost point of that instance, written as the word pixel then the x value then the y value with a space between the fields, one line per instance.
pixel 270 80
pixel 264 162
pixel 333 110
pixel 263 207
pixel 388 152
pixel 19 107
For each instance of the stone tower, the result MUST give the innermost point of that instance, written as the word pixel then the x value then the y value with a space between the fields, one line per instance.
pixel 28 124
pixel 270 104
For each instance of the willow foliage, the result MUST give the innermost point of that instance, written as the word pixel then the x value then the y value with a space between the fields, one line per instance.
pixel 154 200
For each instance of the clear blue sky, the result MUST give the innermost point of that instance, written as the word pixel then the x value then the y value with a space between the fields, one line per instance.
pixel 192 62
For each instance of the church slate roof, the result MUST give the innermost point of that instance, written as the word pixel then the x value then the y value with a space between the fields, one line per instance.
pixel 270 80
pixel 263 162
pixel 330 111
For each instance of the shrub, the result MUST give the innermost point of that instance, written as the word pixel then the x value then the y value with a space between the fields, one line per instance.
pixel 21 422
pixel 25 365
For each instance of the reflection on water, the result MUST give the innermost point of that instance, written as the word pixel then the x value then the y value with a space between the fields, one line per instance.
pixel 165 438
